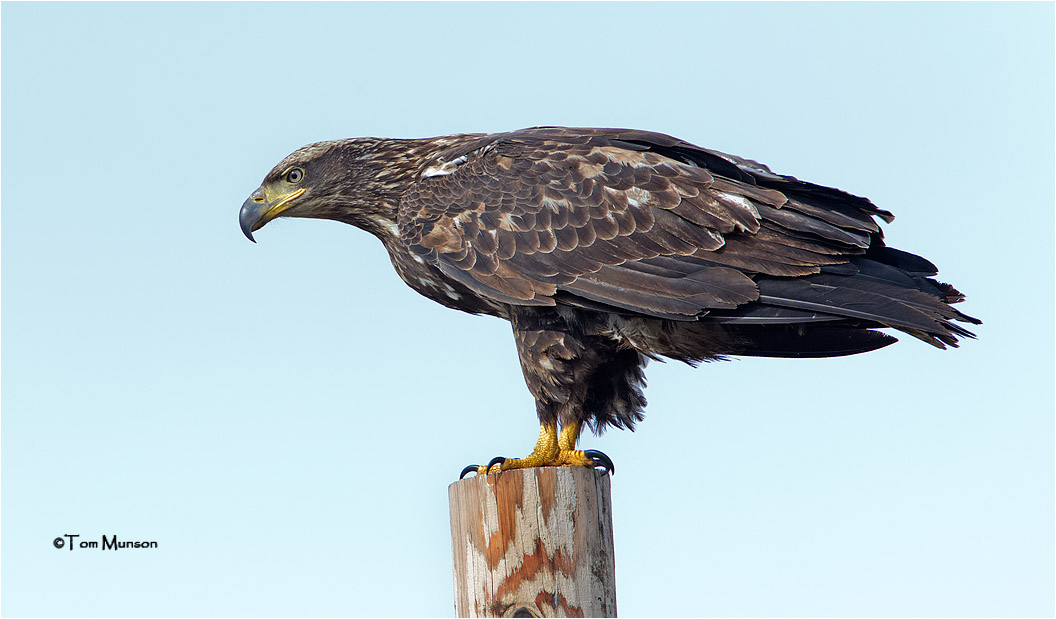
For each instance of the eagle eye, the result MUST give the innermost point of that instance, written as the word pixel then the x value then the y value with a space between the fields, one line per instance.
pixel 294 176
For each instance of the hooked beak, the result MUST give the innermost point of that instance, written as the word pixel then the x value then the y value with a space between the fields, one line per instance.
pixel 258 210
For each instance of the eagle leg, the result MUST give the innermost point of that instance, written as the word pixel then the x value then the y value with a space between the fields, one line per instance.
pixel 570 456
pixel 552 449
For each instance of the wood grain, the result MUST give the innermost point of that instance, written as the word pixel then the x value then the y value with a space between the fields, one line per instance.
pixel 534 542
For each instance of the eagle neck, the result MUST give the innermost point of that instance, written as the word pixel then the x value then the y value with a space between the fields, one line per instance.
pixel 387 169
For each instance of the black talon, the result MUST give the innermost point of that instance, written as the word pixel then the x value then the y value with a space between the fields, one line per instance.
pixel 600 459
pixel 494 461
pixel 468 469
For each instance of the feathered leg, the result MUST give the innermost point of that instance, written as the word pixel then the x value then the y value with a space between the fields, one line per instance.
pixel 560 371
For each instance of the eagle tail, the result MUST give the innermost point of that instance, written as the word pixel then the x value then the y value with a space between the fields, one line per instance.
pixel 842 302
pixel 802 342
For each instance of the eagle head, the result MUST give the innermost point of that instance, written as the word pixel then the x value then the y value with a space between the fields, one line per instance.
pixel 353 181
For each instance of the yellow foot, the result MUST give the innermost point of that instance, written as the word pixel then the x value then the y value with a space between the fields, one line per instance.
pixel 570 457
pixel 550 450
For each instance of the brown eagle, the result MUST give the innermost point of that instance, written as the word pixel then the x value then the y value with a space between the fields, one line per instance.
pixel 608 247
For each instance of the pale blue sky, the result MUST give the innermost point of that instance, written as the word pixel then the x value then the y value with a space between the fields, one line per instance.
pixel 284 418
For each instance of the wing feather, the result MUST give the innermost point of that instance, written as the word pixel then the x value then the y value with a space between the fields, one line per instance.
pixel 648 224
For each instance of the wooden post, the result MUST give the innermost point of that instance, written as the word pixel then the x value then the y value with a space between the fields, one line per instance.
pixel 534 543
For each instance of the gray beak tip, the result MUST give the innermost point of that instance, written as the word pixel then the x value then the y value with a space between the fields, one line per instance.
pixel 248 216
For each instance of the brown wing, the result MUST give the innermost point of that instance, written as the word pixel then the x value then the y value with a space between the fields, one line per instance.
pixel 630 219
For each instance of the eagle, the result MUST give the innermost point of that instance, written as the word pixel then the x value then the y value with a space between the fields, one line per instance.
pixel 605 248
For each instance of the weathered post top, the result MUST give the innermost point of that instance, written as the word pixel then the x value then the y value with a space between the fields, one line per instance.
pixel 534 542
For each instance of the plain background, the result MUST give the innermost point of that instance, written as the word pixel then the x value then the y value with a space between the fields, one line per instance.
pixel 284 418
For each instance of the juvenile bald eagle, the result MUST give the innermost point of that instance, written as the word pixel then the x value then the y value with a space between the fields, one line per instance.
pixel 608 247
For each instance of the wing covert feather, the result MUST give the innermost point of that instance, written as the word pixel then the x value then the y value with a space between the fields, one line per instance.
pixel 619 217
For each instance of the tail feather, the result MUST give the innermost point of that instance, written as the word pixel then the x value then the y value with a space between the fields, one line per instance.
pixel 865 293
pixel 815 342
